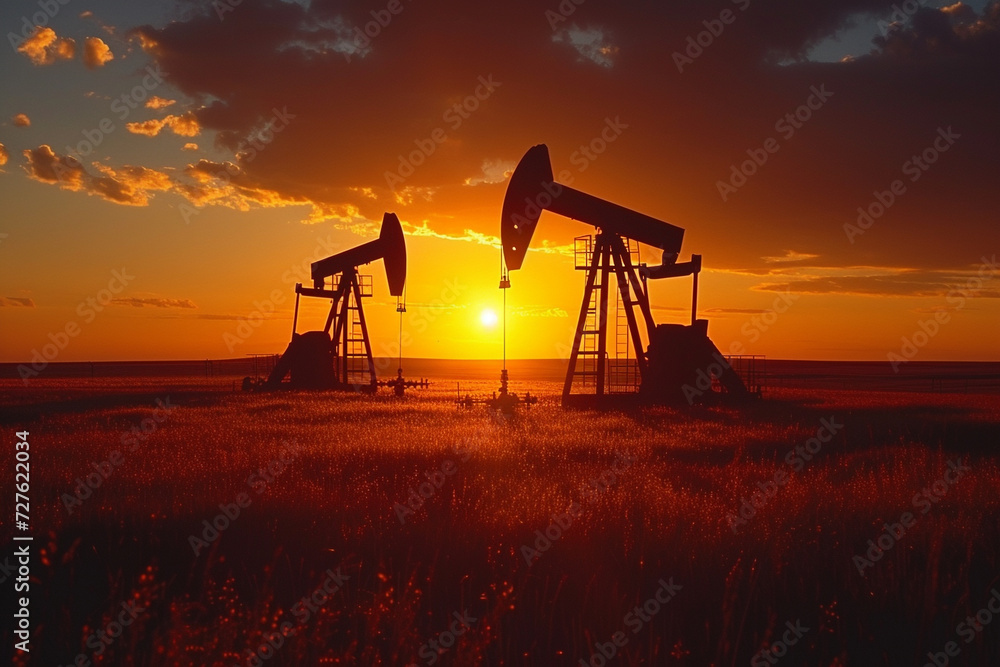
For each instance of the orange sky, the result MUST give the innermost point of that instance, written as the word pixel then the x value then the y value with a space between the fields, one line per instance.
pixel 320 129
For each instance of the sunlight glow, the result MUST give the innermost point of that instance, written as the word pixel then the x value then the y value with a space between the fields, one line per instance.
pixel 488 318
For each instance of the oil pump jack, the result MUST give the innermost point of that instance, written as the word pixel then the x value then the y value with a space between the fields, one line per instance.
pixel 343 360
pixel 671 368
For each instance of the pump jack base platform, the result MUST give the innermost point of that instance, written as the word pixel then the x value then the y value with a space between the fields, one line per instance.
pixel 682 367
pixel 309 361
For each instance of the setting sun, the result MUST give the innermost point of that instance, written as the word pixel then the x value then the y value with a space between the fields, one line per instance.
pixel 488 318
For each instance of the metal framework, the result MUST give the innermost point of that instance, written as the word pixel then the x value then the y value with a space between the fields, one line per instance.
pixel 676 354
pixel 340 355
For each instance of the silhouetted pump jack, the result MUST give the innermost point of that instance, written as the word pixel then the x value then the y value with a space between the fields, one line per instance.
pixel 678 357
pixel 343 360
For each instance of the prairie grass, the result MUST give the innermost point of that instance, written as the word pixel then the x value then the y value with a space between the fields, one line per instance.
pixel 664 516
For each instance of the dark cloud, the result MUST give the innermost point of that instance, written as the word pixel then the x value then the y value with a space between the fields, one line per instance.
pixel 456 86
pixel 901 284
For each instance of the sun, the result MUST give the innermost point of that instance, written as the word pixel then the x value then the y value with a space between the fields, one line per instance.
pixel 488 318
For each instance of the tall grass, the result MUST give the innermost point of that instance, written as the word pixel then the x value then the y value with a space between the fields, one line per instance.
pixel 662 517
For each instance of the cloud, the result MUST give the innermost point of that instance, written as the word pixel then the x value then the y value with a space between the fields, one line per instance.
pixel 129 186
pixel 44 47
pixel 4 156
pixel 790 256
pixel 409 194
pixel 354 120
pixel 539 311
pixel 16 302
pixel 205 183
pixel 21 120
pixel 189 147
pixel 153 302
pixel 735 311
pixel 950 31
pixel 185 125
pixel 493 171
pixel 157 102
pixel 900 283
pixel 591 43
pixel 226 184
pixel 96 53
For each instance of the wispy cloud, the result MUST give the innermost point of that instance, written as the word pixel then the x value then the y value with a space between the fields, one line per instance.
pixel 16 302
pixel 153 302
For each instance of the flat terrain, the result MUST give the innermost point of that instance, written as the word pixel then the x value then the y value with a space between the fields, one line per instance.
pixel 420 533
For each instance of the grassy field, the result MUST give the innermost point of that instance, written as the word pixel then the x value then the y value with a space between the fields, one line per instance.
pixel 374 531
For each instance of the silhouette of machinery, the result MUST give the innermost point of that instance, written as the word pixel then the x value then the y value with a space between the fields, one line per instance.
pixel 340 355
pixel 680 359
